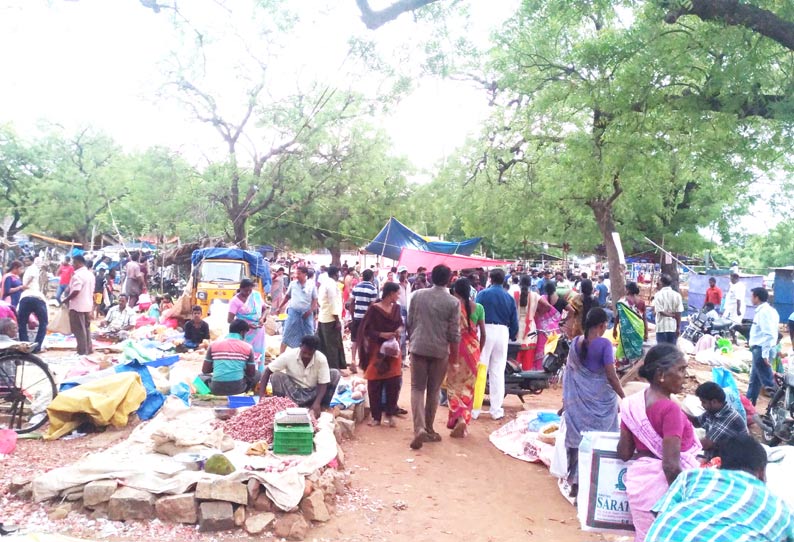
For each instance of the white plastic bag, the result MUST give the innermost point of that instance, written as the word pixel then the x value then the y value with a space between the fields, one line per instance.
pixel 390 348
pixel 559 461
pixel 603 505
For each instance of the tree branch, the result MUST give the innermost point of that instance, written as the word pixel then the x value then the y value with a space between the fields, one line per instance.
pixel 736 13
pixel 375 19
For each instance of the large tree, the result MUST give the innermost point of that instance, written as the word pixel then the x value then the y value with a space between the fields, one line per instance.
pixel 356 186
pixel 652 126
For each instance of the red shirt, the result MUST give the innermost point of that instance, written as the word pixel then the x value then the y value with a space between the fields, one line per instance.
pixel 65 273
pixel 714 295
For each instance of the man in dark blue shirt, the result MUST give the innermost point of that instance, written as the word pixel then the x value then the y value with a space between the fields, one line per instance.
pixel 501 326
pixel 602 291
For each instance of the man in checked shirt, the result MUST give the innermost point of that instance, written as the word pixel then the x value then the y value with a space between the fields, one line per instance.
pixel 721 421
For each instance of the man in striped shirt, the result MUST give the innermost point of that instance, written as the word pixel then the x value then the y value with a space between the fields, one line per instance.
pixel 361 297
pixel 728 504
pixel 229 365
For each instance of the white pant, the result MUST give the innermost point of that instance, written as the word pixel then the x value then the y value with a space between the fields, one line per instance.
pixel 494 354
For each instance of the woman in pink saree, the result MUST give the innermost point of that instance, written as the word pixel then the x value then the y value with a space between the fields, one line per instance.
pixel 656 434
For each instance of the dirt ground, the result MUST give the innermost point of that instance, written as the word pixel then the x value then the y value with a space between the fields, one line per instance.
pixel 455 490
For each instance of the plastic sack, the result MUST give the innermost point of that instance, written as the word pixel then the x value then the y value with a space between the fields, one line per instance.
pixel 603 504
pixel 390 348
pixel 154 399
pixel 479 386
pixel 724 379
pixel 559 461
pixel 8 441
pixel 182 391
pixel 60 323
pixel 542 419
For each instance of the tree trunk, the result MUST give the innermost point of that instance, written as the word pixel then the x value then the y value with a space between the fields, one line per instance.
pixel 239 223
pixel 336 253
pixel 672 270
pixel 606 224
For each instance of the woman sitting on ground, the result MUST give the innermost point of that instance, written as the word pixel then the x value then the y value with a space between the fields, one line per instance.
pixel 656 433
pixel 590 389
pixel 381 364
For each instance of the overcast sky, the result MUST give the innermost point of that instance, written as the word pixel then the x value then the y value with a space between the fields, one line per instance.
pixel 102 63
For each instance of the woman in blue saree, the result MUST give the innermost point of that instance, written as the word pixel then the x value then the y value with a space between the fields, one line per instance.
pixel 248 305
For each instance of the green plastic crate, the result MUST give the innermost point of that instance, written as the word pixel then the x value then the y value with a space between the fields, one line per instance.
pixel 293 439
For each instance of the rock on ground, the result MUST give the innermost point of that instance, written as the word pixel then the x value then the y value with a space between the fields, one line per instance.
pixel 347 427
pixel 222 490
pixel 129 503
pixel 215 516
pixel 291 527
pixel 263 503
pixel 239 516
pixel 98 492
pixel 177 508
pixel 254 489
pixel 257 522
pixel 313 507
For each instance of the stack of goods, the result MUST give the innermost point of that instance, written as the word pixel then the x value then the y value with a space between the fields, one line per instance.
pixel 293 433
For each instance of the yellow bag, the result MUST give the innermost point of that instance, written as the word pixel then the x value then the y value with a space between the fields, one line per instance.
pixel 479 385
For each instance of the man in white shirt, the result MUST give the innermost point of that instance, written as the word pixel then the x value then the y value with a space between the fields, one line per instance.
pixel 303 375
pixel 763 339
pixel 668 305
pixel 81 304
pixel 118 321
pixel 329 329
pixel 735 303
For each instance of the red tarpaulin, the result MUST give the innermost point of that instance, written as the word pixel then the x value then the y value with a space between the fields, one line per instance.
pixel 412 259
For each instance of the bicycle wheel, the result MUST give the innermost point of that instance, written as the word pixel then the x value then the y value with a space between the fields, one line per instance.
pixel 26 389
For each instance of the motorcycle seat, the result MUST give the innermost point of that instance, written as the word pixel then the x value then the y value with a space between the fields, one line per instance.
pixel 535 375
pixel 721 323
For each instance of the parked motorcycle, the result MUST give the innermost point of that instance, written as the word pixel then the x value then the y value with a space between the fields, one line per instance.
pixel 701 324
pixel 777 423
pixel 521 383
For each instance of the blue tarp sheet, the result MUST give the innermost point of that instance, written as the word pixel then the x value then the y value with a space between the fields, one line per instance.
pixel 259 267
pixel 395 236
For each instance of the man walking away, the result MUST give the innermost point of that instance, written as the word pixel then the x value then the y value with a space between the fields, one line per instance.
pixel 725 504
pixel 668 306
pixel 501 326
pixel 361 297
pixel 330 320
pixel 433 335
pixel 81 303
pixel 134 285
pixel 65 272
pixel 763 339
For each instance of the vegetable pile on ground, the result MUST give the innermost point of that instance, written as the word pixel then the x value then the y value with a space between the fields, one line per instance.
pixel 256 423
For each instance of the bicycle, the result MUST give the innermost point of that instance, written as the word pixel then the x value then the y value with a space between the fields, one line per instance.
pixel 27 387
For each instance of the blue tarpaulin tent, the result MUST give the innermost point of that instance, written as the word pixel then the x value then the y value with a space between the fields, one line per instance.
pixel 395 236
pixel 259 267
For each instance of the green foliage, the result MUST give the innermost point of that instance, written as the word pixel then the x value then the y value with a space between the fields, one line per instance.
pixel 759 253
pixel 347 192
